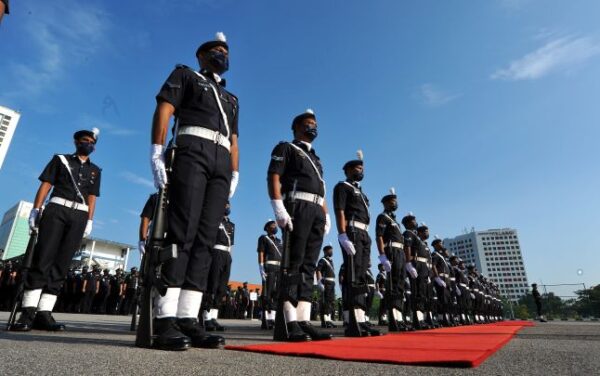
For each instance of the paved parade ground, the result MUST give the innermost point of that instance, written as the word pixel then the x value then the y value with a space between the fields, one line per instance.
pixel 103 345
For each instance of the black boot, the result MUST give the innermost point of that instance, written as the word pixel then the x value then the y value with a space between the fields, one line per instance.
pixel 25 321
pixel 315 335
pixel 330 325
pixel 270 324
pixel 168 335
pixel 295 332
pixel 366 328
pixel 209 325
pixel 197 334
pixel 44 321
pixel 218 327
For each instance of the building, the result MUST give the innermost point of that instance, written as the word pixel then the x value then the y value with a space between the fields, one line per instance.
pixel 14 236
pixel 14 230
pixel 8 124
pixel 497 254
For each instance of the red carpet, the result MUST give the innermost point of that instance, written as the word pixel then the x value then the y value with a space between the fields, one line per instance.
pixel 463 346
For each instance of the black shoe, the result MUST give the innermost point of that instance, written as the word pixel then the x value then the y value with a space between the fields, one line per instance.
pixel 372 331
pixel 330 325
pixel 314 333
pixel 295 332
pixel 218 327
pixel 44 321
pixel 168 335
pixel 209 325
pixel 25 321
pixel 270 324
pixel 197 334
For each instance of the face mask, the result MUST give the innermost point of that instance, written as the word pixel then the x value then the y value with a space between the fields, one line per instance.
pixel 273 231
pixel 394 207
pixel 227 211
pixel 357 176
pixel 85 148
pixel 219 61
pixel 311 133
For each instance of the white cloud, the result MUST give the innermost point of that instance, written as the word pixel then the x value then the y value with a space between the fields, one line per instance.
pixel 433 96
pixel 560 54
pixel 135 213
pixel 105 127
pixel 136 179
pixel 60 34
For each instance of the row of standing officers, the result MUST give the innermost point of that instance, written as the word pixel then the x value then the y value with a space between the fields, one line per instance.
pixel 200 179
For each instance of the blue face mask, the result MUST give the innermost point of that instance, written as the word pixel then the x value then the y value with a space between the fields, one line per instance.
pixel 219 61
pixel 85 148
pixel 227 211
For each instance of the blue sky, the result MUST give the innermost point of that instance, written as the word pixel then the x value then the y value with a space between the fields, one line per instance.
pixel 481 113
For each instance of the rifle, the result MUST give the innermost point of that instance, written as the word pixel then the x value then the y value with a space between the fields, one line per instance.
pixel 352 289
pixel 27 259
pixel 156 254
pixel 281 333
pixel 263 320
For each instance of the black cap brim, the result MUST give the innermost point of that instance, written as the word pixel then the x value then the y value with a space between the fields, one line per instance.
pixel 298 119
pixel 352 164
pixel 84 132
pixel 211 44
pixel 268 224
pixel 388 198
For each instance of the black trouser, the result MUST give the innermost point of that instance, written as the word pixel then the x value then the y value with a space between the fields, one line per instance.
pixel 270 292
pixel 463 300
pixel 443 299
pixel 395 292
pixel 88 298
pixel 128 302
pixel 59 237
pixel 112 304
pixel 328 298
pixel 419 286
pixel 362 257
pixel 305 244
pixel 198 191
pixel 369 299
pixel 218 278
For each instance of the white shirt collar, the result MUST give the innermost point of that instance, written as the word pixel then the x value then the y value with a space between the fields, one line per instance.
pixel 308 145
pixel 217 78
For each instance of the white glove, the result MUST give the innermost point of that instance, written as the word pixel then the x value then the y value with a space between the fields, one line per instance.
pixel 261 270
pixel 410 269
pixel 88 228
pixel 387 265
pixel 440 282
pixel 458 293
pixel 142 247
pixel 346 244
pixel 281 215
pixel 157 162
pixel 33 216
pixel 320 286
pixel 472 296
pixel 235 179
pixel 327 224
pixel 379 294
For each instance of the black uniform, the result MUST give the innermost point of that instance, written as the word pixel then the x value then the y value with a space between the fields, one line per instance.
pixel 371 288
pixel 349 197
pixel 132 283
pixel 462 283
pixel 61 228
pixel 271 247
pixel 220 267
pixel 294 162
pixel 326 268
pixel 148 210
pixel 200 181
pixel 443 293
pixel 114 298
pixel 89 291
pixel 420 284
pixel 389 229
pixel 381 285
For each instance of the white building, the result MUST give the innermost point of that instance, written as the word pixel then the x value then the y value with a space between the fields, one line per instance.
pixel 14 230
pixel 8 124
pixel 497 254
pixel 106 254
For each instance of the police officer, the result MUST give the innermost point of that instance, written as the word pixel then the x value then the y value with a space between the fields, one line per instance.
pixel 381 289
pixel 352 217
pixel 474 289
pixel 104 291
pixel 132 284
pixel 220 269
pixel 326 282
pixel 75 184
pixel 417 268
pixel 116 292
pixel 295 179
pixel 392 256
pixel 459 290
pixel 430 294
pixel 441 271
pixel 204 174
pixel 269 251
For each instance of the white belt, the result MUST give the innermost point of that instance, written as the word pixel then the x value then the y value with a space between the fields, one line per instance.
pixel 371 285
pixel 273 263
pixel 359 225
pixel 222 248
pixel 397 245
pixel 423 259
pixel 443 275
pixel 207 134
pixel 476 290
pixel 329 279
pixel 463 285
pixel 305 196
pixel 69 204
pixel 452 279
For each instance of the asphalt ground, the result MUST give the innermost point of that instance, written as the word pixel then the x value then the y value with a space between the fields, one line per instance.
pixel 98 344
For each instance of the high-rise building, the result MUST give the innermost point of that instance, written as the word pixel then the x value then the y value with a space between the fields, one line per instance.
pixel 497 255
pixel 8 124
pixel 14 230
